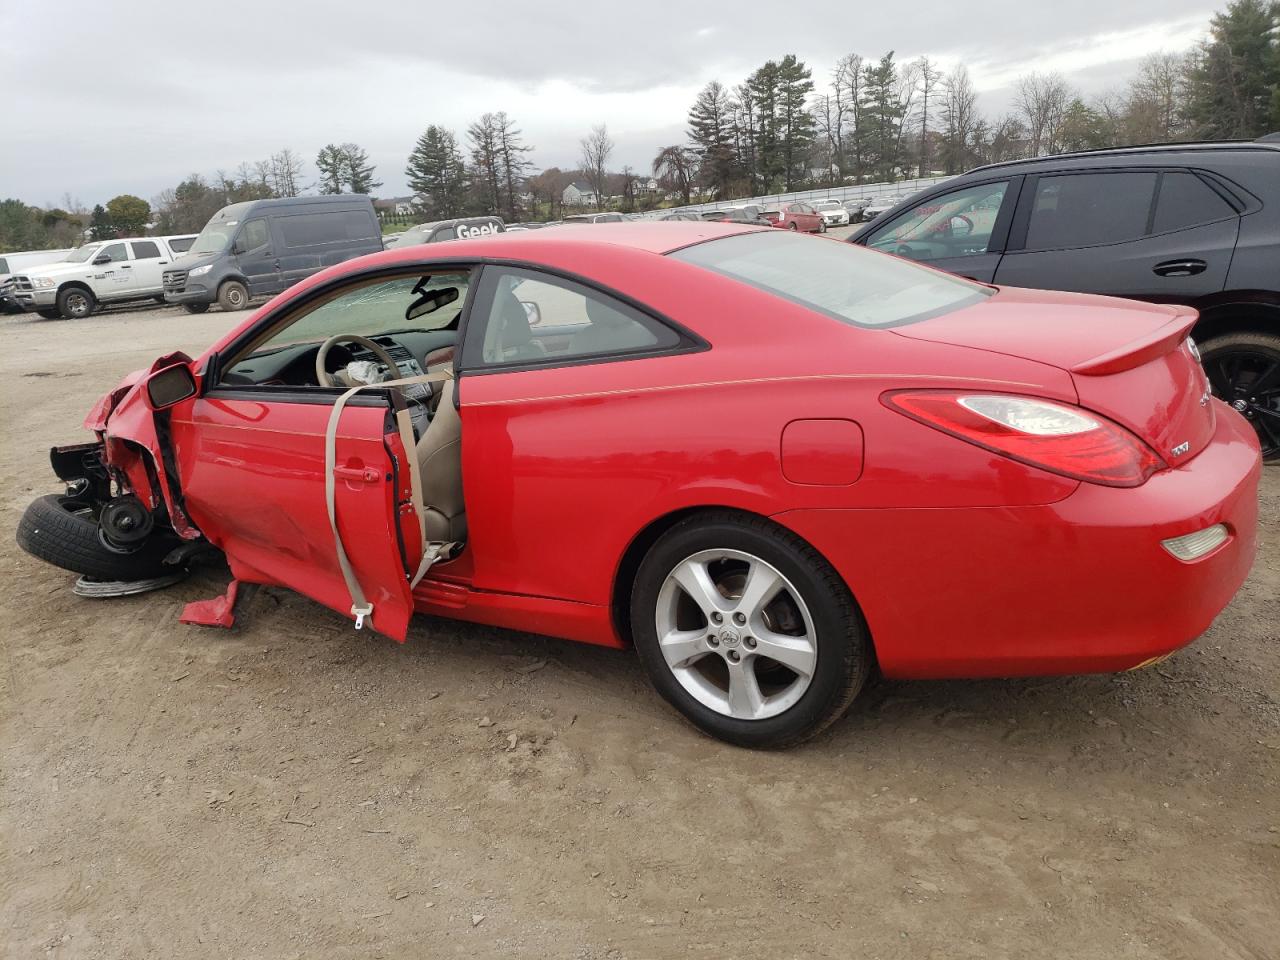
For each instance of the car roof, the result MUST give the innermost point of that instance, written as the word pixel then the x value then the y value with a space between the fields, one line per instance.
pixel 1137 154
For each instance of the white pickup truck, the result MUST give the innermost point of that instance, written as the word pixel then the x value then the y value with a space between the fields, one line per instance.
pixel 107 271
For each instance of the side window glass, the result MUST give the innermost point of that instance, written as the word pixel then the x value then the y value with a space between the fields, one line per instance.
pixel 368 308
pixel 145 250
pixel 1185 201
pixel 1087 209
pixel 253 235
pixel 532 317
pixel 955 224
pixel 115 252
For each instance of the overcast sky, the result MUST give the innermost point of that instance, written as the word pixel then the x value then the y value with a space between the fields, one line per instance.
pixel 110 97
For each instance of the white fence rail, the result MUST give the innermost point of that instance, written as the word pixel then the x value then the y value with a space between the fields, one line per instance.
pixel 852 192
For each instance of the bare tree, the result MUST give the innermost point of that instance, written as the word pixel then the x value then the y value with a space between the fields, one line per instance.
pixel 959 119
pixel 905 92
pixel 286 173
pixel 1042 101
pixel 930 78
pixel 1157 99
pixel 846 111
pixel 596 149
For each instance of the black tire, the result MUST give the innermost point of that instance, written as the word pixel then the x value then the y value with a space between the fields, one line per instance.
pixel 844 652
pixel 232 295
pixel 49 313
pixel 822 226
pixel 76 303
pixel 196 307
pixel 61 531
pixel 1244 371
pixel 792 226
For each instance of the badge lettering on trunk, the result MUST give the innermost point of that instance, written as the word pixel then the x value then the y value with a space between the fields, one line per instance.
pixel 1181 448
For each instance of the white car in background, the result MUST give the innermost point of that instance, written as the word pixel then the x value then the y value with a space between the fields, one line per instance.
pixel 833 212
pixel 17 262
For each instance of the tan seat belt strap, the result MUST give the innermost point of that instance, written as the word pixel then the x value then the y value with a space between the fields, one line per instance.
pixel 360 606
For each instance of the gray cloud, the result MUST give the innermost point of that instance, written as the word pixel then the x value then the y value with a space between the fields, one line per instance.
pixel 103 98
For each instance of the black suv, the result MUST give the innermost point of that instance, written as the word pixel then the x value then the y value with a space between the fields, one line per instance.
pixel 1195 224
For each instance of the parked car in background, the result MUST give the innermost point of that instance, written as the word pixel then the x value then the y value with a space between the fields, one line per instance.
pixel 108 271
pixel 680 215
pixel 855 208
pixel 460 228
pixel 261 247
pixel 18 261
pixel 1195 224
pixel 832 212
pixel 880 205
pixel 796 216
pixel 735 215
pixel 604 217
pixel 533 225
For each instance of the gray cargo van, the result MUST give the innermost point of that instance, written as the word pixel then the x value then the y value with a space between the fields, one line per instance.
pixel 260 247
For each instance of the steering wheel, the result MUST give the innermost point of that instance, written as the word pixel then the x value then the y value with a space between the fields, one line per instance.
pixel 968 225
pixel 326 379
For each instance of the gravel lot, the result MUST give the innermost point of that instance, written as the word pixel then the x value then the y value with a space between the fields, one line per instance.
pixel 292 789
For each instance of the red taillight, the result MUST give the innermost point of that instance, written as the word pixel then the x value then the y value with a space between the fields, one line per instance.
pixel 1053 436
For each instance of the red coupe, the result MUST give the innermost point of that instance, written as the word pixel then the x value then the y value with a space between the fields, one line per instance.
pixel 766 461
pixel 796 216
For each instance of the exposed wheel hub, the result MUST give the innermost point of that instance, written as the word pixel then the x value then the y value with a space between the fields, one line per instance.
pixel 124 524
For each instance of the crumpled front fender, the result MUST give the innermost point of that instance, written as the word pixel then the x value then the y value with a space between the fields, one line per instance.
pixel 132 436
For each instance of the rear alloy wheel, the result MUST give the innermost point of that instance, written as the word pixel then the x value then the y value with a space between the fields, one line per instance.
pixel 75 303
pixel 747 631
pixel 232 295
pixel 792 226
pixel 1244 371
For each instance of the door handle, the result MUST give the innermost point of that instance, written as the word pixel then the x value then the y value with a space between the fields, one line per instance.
pixel 1179 268
pixel 357 474
pixel 126 267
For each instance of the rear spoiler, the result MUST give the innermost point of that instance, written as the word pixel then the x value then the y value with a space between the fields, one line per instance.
pixel 1137 352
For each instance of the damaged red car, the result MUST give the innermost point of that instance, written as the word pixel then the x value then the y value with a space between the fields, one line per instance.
pixel 766 461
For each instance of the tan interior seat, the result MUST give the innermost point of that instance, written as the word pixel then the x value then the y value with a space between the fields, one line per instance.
pixel 440 464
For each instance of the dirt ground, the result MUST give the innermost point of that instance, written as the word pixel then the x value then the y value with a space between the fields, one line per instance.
pixel 290 788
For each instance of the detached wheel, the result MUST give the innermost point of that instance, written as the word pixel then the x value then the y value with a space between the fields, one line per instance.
pixel 49 314
pixel 76 302
pixel 232 295
pixel 1244 371
pixel 196 307
pixel 747 631
pixel 62 531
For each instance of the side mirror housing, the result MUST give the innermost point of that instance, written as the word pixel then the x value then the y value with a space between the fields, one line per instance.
pixel 532 311
pixel 100 259
pixel 170 386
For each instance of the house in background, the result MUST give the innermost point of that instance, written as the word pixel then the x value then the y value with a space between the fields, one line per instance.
pixel 394 207
pixel 643 186
pixel 578 194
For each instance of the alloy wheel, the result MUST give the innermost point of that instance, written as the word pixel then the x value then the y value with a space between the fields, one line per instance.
pixel 77 304
pixel 1250 382
pixel 736 634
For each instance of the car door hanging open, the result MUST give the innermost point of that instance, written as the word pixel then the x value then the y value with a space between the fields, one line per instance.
pixel 431 552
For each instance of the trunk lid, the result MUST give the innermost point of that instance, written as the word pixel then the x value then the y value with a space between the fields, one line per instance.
pixel 1129 360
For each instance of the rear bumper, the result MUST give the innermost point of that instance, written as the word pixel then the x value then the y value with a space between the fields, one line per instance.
pixel 1078 586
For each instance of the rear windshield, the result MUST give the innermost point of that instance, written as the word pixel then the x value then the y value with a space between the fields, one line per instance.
pixel 847 282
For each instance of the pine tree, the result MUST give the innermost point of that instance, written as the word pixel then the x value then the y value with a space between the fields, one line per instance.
pixel 1235 82
pixel 795 123
pixel 881 117
pixel 358 170
pixel 100 225
pixel 711 131
pixel 436 174
pixel 331 162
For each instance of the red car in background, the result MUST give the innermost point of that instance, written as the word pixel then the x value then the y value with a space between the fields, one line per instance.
pixel 764 461
pixel 797 216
